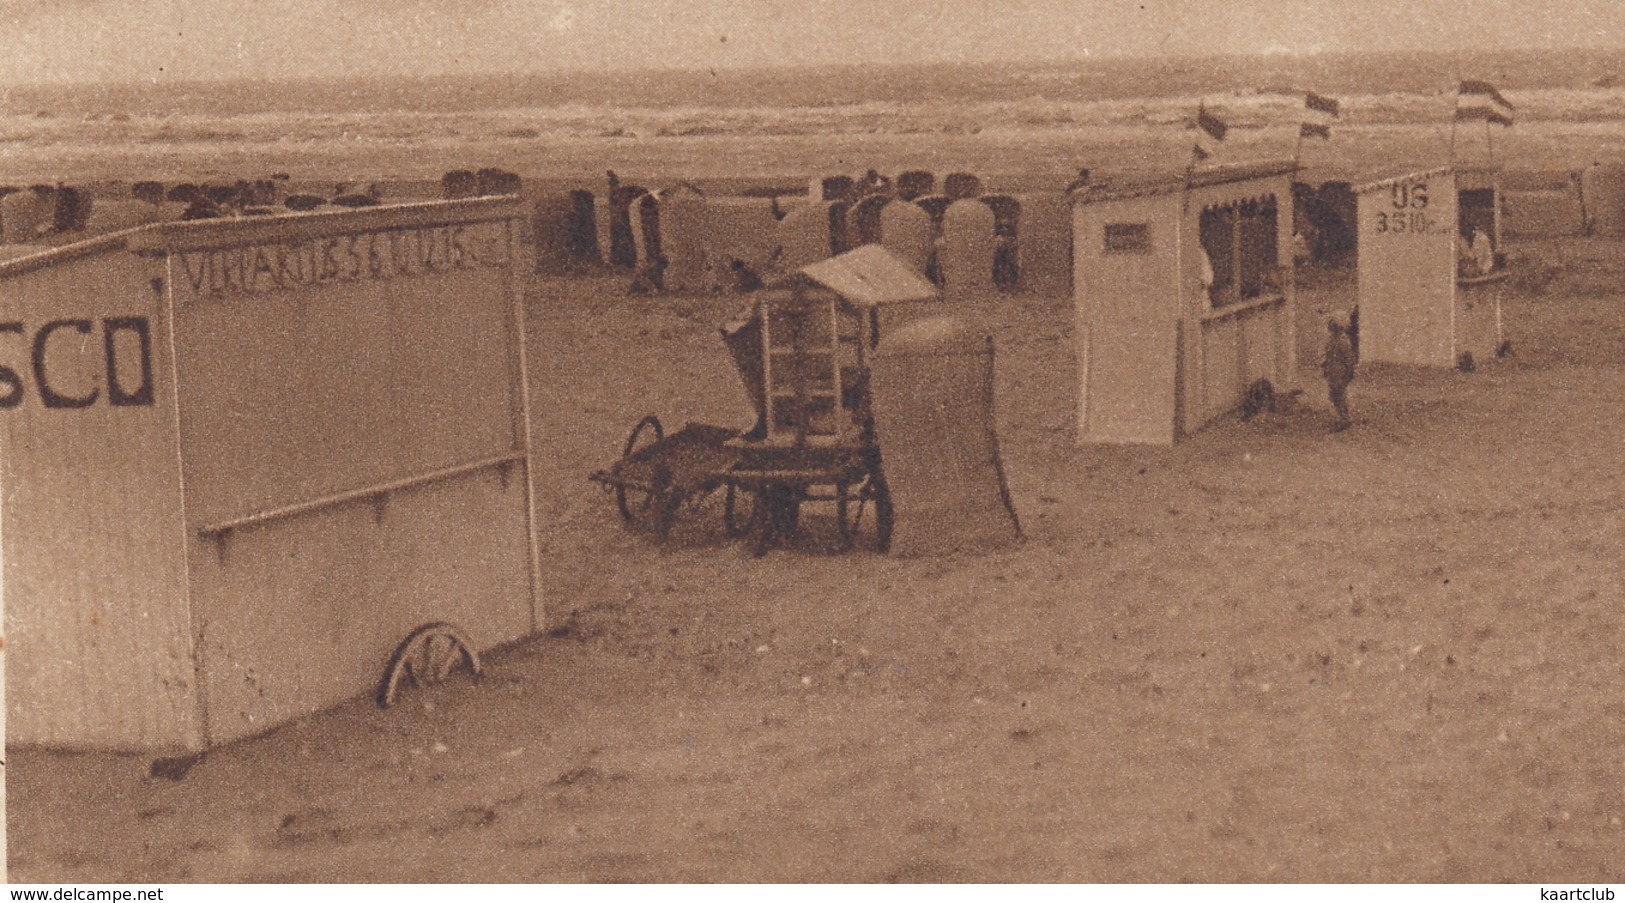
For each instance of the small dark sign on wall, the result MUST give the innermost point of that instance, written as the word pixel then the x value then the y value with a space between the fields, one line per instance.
pixel 1128 238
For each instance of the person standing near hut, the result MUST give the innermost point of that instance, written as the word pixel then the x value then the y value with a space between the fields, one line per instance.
pixel 1483 251
pixel 1338 367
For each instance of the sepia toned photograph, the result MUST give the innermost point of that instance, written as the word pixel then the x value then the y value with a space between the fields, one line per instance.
pixel 898 442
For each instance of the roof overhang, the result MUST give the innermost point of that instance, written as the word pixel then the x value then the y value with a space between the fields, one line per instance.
pixel 870 276
pixel 1175 182
pixel 1477 174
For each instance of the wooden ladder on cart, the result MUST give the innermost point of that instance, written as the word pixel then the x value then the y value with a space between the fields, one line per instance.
pixel 817 425
pixel 809 356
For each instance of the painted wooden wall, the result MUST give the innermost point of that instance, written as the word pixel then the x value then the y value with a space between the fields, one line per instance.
pixel 344 390
pixel 97 625
pixel 1128 315
pixel 1407 270
pixel 324 357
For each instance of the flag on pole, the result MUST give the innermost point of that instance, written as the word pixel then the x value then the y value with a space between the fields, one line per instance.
pixel 1319 111
pixel 1480 100
pixel 1210 132
pixel 1319 103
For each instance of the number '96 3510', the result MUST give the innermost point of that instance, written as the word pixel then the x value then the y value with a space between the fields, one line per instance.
pixel 1406 221
pixel 1409 216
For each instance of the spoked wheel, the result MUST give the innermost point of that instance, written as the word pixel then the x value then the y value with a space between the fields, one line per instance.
pixel 428 656
pixel 634 503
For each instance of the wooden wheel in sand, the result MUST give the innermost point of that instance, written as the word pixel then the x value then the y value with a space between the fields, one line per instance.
pixel 429 655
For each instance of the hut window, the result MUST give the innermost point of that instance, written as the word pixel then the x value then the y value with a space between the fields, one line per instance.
pixel 1128 238
pixel 1240 242
pixel 1476 212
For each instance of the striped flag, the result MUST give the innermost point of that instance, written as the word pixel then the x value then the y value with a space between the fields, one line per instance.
pixel 1480 100
pixel 1321 104
pixel 1210 132
pixel 1319 111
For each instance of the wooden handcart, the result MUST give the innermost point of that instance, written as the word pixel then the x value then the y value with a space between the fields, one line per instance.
pixel 802 354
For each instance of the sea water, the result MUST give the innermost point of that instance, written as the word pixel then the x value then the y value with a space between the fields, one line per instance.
pixel 1041 121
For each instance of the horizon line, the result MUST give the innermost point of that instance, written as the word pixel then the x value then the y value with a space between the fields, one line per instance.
pixel 767 68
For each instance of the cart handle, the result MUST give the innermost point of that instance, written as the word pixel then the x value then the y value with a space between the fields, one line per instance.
pixel 374 493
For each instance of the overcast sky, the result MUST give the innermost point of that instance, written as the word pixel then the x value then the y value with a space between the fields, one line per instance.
pixel 88 40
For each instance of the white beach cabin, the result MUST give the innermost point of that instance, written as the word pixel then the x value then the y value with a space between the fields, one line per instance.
pixel 242 460
pixel 1430 293
pixel 1184 294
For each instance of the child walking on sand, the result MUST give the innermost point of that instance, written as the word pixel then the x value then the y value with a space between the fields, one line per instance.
pixel 1337 366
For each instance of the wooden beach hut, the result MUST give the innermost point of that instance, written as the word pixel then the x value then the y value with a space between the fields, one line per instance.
pixel 804 235
pixel 604 234
pixel 966 252
pixel 906 231
pixel 242 460
pixel 742 229
pixel 553 236
pixel 1184 296
pixel 685 225
pixel 1046 244
pixel 643 218
pixel 1430 291
pixel 1602 200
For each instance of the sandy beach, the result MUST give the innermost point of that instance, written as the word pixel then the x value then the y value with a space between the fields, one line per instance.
pixel 1268 653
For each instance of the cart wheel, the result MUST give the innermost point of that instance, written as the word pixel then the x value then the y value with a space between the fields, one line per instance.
pixel 428 656
pixel 633 502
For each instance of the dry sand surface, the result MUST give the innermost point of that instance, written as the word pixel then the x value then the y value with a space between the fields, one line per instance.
pixel 1269 653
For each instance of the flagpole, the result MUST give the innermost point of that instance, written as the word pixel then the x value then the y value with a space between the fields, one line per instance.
pixel 1190 171
pixel 1190 164
pixel 1324 106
